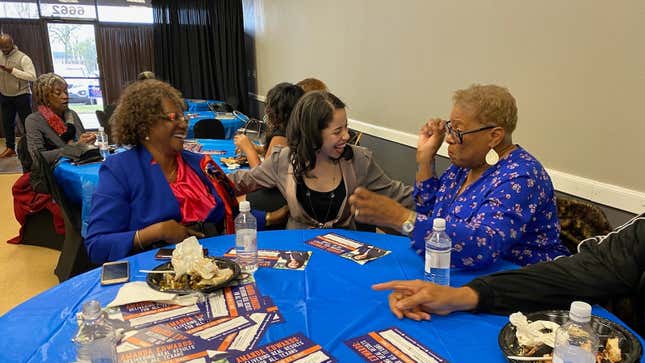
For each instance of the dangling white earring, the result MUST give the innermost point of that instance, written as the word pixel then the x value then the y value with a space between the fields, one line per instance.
pixel 492 157
pixel 147 138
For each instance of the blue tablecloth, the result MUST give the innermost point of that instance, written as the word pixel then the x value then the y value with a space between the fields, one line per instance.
pixel 330 302
pixel 78 182
pixel 199 105
pixel 231 123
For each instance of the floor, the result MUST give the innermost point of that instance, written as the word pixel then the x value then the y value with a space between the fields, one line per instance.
pixel 25 271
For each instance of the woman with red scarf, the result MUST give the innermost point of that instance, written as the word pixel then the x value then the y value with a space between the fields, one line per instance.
pixel 54 125
pixel 48 130
pixel 157 192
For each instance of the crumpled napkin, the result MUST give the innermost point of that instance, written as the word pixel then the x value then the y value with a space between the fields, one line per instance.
pixel 530 334
pixel 138 291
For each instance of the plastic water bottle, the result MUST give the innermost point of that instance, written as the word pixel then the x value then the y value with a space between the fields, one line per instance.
pixel 438 246
pixel 96 338
pixel 575 340
pixel 102 142
pixel 246 242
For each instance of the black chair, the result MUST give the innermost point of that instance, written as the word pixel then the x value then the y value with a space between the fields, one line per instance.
pixel 73 258
pixel 209 129
pixel 104 121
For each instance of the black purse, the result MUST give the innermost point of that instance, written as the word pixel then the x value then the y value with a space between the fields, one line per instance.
pixel 81 153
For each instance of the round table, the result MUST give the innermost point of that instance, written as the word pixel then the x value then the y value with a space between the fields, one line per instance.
pixel 329 302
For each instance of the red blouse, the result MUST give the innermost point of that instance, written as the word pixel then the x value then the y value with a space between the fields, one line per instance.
pixel 195 202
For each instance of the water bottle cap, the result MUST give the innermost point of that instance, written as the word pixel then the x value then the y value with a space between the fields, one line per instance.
pixel 580 311
pixel 91 309
pixel 101 129
pixel 439 224
pixel 245 206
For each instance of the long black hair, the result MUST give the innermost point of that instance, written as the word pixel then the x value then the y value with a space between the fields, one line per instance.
pixel 312 114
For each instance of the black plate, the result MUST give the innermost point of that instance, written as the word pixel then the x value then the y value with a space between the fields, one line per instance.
pixel 629 345
pixel 154 280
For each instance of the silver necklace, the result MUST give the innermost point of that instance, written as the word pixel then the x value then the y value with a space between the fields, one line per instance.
pixel 332 196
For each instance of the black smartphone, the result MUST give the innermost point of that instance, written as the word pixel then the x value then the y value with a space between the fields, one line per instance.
pixel 115 272
pixel 166 253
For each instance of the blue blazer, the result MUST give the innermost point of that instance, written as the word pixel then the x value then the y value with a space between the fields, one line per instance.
pixel 133 193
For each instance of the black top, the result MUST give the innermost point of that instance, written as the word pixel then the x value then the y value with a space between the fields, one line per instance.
pixel 321 206
pixel 270 134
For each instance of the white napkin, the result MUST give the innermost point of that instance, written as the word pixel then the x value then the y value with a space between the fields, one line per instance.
pixel 138 291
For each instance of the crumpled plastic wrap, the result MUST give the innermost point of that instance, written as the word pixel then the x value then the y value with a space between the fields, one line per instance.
pixel 530 334
pixel 188 258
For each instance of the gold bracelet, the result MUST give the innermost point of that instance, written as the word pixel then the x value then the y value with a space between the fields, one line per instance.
pixel 267 223
pixel 137 240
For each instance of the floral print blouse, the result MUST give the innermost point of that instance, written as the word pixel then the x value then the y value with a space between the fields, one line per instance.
pixel 509 212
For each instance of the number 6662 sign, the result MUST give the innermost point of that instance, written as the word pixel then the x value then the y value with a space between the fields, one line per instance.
pixel 68 11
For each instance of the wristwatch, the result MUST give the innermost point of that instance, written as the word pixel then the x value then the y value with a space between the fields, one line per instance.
pixel 408 226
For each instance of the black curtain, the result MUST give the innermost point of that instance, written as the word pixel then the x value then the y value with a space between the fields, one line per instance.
pixel 199 48
pixel 123 51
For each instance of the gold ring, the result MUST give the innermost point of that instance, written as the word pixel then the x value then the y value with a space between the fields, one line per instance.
pixel 356 213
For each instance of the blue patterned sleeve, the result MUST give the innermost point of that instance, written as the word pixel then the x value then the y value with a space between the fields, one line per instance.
pixel 425 195
pixel 500 221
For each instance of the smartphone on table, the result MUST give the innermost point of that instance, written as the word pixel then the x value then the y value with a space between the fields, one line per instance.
pixel 115 272
pixel 166 253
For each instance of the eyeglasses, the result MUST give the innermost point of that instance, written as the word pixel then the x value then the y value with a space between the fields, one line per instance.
pixel 459 135
pixel 176 117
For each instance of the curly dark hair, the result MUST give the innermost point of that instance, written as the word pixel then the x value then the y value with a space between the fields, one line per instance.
pixel 281 99
pixel 312 114
pixel 44 86
pixel 139 108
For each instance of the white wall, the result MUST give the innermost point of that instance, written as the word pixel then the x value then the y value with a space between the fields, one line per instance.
pixel 576 67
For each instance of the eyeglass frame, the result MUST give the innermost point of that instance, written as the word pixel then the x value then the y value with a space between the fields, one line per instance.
pixel 460 134
pixel 172 117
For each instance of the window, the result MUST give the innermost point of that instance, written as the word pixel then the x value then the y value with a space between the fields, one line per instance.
pixel 26 9
pixel 74 54
pixel 125 11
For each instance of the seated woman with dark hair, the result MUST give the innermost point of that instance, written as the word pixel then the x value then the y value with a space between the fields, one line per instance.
pixel 156 191
pixel 319 170
pixel 280 102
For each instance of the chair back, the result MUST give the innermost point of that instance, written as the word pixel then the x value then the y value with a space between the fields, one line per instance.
pixel 209 129
pixel 104 121
pixel 580 220
pixel 354 137
pixel 73 259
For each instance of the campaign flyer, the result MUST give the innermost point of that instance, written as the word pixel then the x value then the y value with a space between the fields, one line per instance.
pixel 272 308
pixel 170 352
pixel 150 336
pixel 247 338
pixel 235 301
pixel 279 259
pixel 210 329
pixel 392 345
pixel 348 248
pixel 290 349
pixel 146 313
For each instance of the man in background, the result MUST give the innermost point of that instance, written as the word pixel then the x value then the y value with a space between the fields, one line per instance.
pixel 16 71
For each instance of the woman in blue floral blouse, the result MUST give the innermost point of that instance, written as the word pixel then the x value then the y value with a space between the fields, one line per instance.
pixel 497 199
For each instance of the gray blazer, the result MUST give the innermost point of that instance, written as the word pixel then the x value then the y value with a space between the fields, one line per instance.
pixel 42 138
pixel 361 170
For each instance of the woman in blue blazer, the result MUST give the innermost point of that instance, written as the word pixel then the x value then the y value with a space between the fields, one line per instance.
pixel 156 191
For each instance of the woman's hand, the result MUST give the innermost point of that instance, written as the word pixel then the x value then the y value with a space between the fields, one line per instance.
pixel 172 232
pixel 431 137
pixel 369 207
pixel 417 299
pixel 87 138
pixel 243 143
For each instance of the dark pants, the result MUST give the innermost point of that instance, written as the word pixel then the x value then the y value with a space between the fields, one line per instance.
pixel 11 105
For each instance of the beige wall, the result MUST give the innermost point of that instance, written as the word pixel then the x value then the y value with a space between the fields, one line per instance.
pixel 576 67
